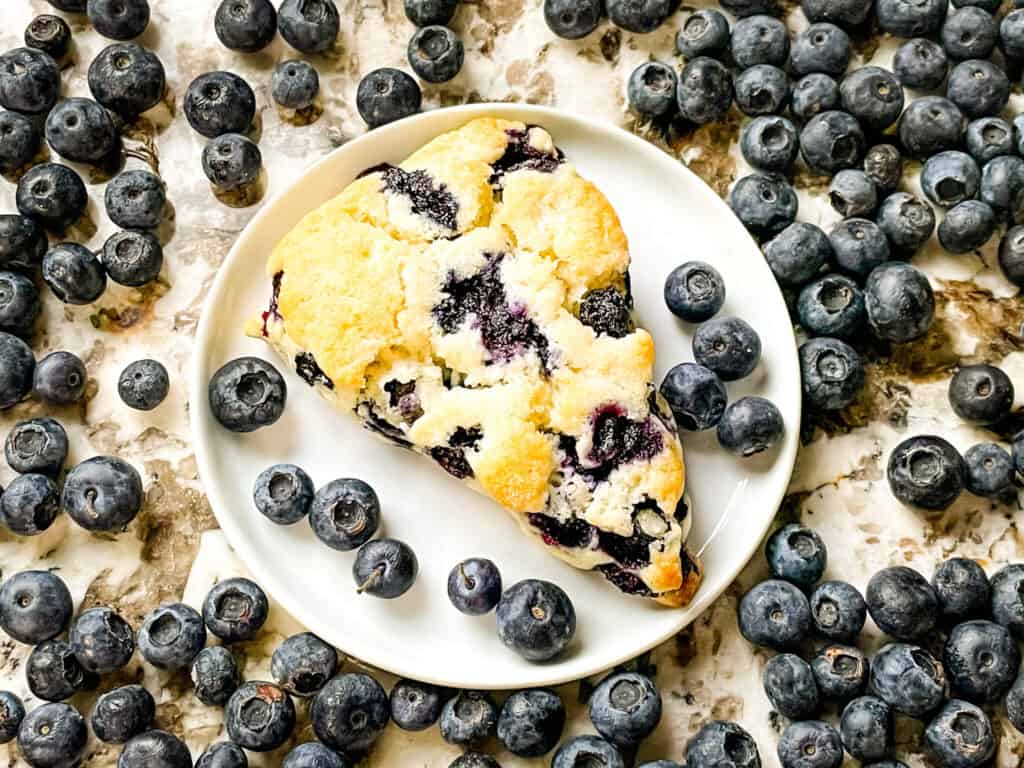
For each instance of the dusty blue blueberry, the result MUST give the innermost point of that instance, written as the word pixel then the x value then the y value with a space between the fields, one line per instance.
pixel 30 504
pixel 215 675
pixel 770 144
pixel 841 671
pixel 908 678
pixel 436 54
pixel 53 195
pixel 705 32
pixel 743 8
pixel 967 226
pixel 245 25
pixel 54 674
pixel 906 221
pixel 232 161
pixel 981 660
pixel 749 426
pixel 143 384
pixel 926 471
pixel 34 606
pixel 639 16
pixel 775 614
pixel 22 242
pixel 155 749
pixel 127 79
pixel 12 712
pixel 1018 132
pixel 961 735
pixel 219 102
pixel 867 729
pixel 921 63
pixel 310 26
pixel 962 589
pixel 950 177
pixel 172 636
pixel 902 602
pixel 350 712
pixel 103 493
pixel 81 130
pixel 1011 35
pixel 423 13
pixel 759 39
pixel 74 274
pixel 704 92
pixel 235 609
pixel 474 586
pixel 469 718
pixel 385 95
pixel 29 81
pixel 1007 598
pixel 122 713
pixel 872 95
pixel 118 19
pixel 474 760
pixel 765 204
pixel 728 346
pixel 797 554
pixel 536 619
pixel 852 193
pixel 822 47
pixel 136 200
pixel 797 253
pixel 19 304
pixel 810 744
pixel 303 663
pixel 989 137
pixel 651 89
pixel 312 754
pixel 49 34
pixel 283 493
pixel 344 514
pixel 722 744
pixel 969 33
pixel 858 246
pixel 694 291
pixel 899 302
pixel 625 708
pixel 831 141
pixel 848 12
pixel 762 90
pixel 812 95
pixel 1015 704
pixel 223 754
pixel 696 396
pixel 832 305
pixel 102 641
pixel 910 18
pixel 570 19
pixel 295 84
pixel 531 722
pixel 384 568
pixel 1011 255
pixel 838 611
pixel 20 143
pixel 259 716
pixel 981 393
pixel 931 124
pixel 416 706
pixel 246 394
pixel 132 258
pixel 790 686
pixel 583 751
pixel 1002 183
pixel 988 470
pixel 16 368
pixel 52 736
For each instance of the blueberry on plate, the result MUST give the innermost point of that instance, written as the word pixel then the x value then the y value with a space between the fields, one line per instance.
pixel 310 26
pixel 583 751
pixel 899 302
pixel 34 606
pixel 102 641
pixel 759 39
pixel 16 368
pixel 536 619
pixel 750 426
pixel 981 660
pixel 344 514
pixel 796 554
pixel 822 47
pixel 155 749
pixel 103 493
pixel 118 19
pixel 21 140
pixel 260 717
pixel 531 722
pixel 790 686
pixel 172 636
pixel 832 373
pixel 921 63
pixel 283 493
pixel 143 384
pixel 52 736
pixel 12 712
pixel 569 19
pixel 926 471
pixel 841 671
pixel 232 161
pixel 625 708
pixel 1002 180
pixel 651 88
pixel 775 614
pixel 30 504
pixel 470 718
pixel 797 253
pixel 246 394
pixel 852 193
pixel 436 54
pixel 762 90
pixel 19 304
pixel 874 96
pixel 385 95
pixel 640 16
pixel 931 124
pixel 474 760
pixel 350 712
pixel 988 470
pixel 245 25
pixel 810 744
pixel 722 743
pixel 967 226
pixel 295 84
pixel 607 311
pixel 122 713
pixel 961 735
pixel 127 79
pixel 831 141
pixel 132 258
pixel 1011 255
pixel 474 586
pixel 908 678
pixel 978 87
pixel 847 12
pixel 136 200
pixel 694 291
pixel 22 242
pixel 215 675
pixel 867 729
pixel 951 177
pixel 812 95
pixel 54 674
pixel 903 18
pixel 902 602
pixel 906 221
pixel 53 195
pixel 770 144
pixel 832 305
pixel 696 396
pixel 81 130
pixel 29 81
pixel 49 34
pixel 416 706
pixel 1007 598
pixel 728 346
pixel 219 102
pixel 981 393
pixel 313 754
pixel 765 204
pixel 962 589
pixel 235 609
pixel 858 246
pixel 704 93
pixel 705 32
pixel 384 568
pixel 838 611
pixel 883 164
pixel 303 663
pixel 223 754
pixel 74 274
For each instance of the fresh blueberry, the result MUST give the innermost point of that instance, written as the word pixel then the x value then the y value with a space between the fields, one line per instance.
pixel 344 514
pixel 899 302
pixel 770 144
pixel 908 678
pixel 312 754
pixel 71 6
pixel 245 25
pixel 122 713
pixel 1018 133
pixel 790 686
pixel 118 19
pixel 469 718
pixel 981 393
pixel 902 602
pixel 759 39
pixel 832 305
pixel 570 19
pixel 910 18
pixel 53 736
pixel 155 749
pixel 127 79
pixel 143 384
pixel 384 568
pixel 81 130
pixel 796 554
pixel 961 736
pixel 1011 255
pixel 696 396
pixel 906 221
pixel 20 143
pixel 1011 35
pixel 19 304
pixel 852 193
pixel 721 744
pixel 969 33
pixel 841 671
pixel 34 606
pixel 103 493
pixel 232 161
pixel 1007 598
pixel 260 717
pixel 625 708
pixel 219 102
pixel 30 504
pixel 385 95
pixel 660 764
pixel 704 33
pixel 536 619
pixel 926 471
pixel 303 663
pixel 822 47
pixel 797 253
pixel 22 242
pixel 172 636
pixel 416 706
pixel 531 722
pixel 988 470
pixel 814 94
pixel 136 200
pixel 423 13
pixel 586 751
pixel 931 124
pixel 962 589
pixel 810 744
pixel 859 245
pixel 54 195
pixel 867 729
pixel 831 141
pixel 103 642
pixel 694 291
pixel 967 226
pixel 12 712
pixel 74 274
pixel 283 493
pixel 294 84
pixel 235 610
pixel 950 177
pixel 246 394
pixel 16 368
pixel 607 311
pixel 49 34
pixel 847 12
pixel 728 346
pixel 474 760
pixel 651 89
pixel 762 90
pixel 640 16
pixel 832 373
pixel 224 754
pixel 1002 184
pixel 838 611
pixel 29 81
pixel 749 426
pixel 436 54
pixel 873 96
pixel 774 614
pixel 310 26
pixel 474 586
pixel 704 92
pixel 883 164
pixel 1015 704
pixel 982 661
pixel 54 674
pixel 765 204
pixel 132 258
pixel 215 675
pixel 350 712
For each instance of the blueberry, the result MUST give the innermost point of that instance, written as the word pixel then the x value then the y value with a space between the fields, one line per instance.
pixel 796 554
pixel 908 678
pixel 899 302
pixel 607 311
pixel 822 47
pixel 832 373
pixel 841 671
pixel 155 749
pixel 531 722
pixel 81 130
pixel 53 736
pixel 344 514
pixel 981 393
pixel 790 686
pixel 219 102
pixel 172 636
pixel 246 394
pixel 136 200
pixel 759 39
pixel 474 586
pixel 1011 35
pixel 259 716
pixel 235 610
pixel 423 13
pixel 16 369
pixel 694 291
pixel 969 33
pixel 906 221
pixel 774 614
pixel 1007 598
pixel 71 6
pixel 53 195
pixel 749 426
pixel 722 744
pixel 910 18
pixel 127 79
pixel 469 718
pixel 74 274
pixel 810 744
pixel 770 144
pixel 950 177
pixel 232 161
pixel 962 589
pixel 926 471
pixel 728 346
pixel 384 568
pixel 883 164
pixel 536 619
pixel 1018 133
pixel 1011 255
pixel 245 25
pixel 295 84
pixel 852 193
pixel 303 663
pixel 931 124
pixel 867 728
pixel 765 204
pixel 283 493
pixel 416 706
pixel 54 674
pixel 982 660
pixel 762 90
pixel 215 675
pixel 571 19
pixel 832 305
pixel 640 16
pixel 902 603
pixel 122 713
pixel 102 640
pixel 312 754
pixel 831 141
pixel 873 96
pixel 103 493
pixel 30 504
pixel 696 396
pixel 143 384
pixel 961 735
pixel 118 19
pixel 625 708
pixel 859 245
pixel 29 81
pixel 21 141
pixel 1002 184
pixel 350 712
pixel 34 606
pixel 49 34
pixel 814 94
pixel 12 712
pixel 474 760
pixel 988 470
pixel 704 33
pixel 1015 704
pixel 223 754
pixel 22 242
pixel 436 54
pixel 651 89
pixel 19 304
pixel 704 93
pixel 967 226
pixel 587 751
pixel 385 95
pixel 838 611
pixel 132 258
pixel 310 26
pixel 848 12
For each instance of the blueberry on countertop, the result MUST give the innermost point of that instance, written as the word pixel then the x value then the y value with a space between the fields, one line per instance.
pixel 722 743
pixel 640 16
pixel 29 81
pixel 846 12
pixel 155 749
pixel 132 258
pixel 903 18
pixel 797 253
pixel 961 735
pixel 704 92
pixel 30 504
pixel 385 95
pixel 1015 704
pixel 1007 598
pixel 474 586
pixel 74 274
pixel 313 754
pixel 841 671
pixel 102 641
pixel 925 471
pixel 587 750
pixel 171 636
pixel 122 713
pixel 1002 181
pixel 34 606
pixel 215 675
pixel 705 32
pixel 224 754
pixel 988 470
pixel 384 568
pixel 832 140
pixel 625 708
pixel 948 178
pixel 436 54
pixel 16 368
pixel 921 63
pixel 967 226
pixel 796 554
pixel 790 686
pixel 54 674
pixel 71 6
pixel 770 144
pixel 822 47
pixel 12 712
pixel 906 221
pixel 260 717
pixel 762 90
pixel 728 346
pixel 962 589
pixel 651 89
pixel 931 124
pixel 283 493
pixel 812 95
pixel 858 246
pixel 294 84
pixel 832 373
pixel 978 87
pixel 981 393
pixel 874 96
pixel 22 242
pixel 127 79
pixel 694 291
pixel 19 304
pixel 531 722
pixel 853 193
pixel 81 130
pixel 907 678
pixel 103 493
pixel 118 19
pixel 883 164
pixel 53 195
pixel 469 718
pixel 902 602
pixel 810 744
pixel 759 39
pixel 53 736
pixel 969 33
pixel 832 305
pixel 49 34
pixel 344 514
pixel 21 141
pixel 774 614
pixel 246 394
pixel 136 200
pixel 245 25
pixel 416 706
pixel 696 396
pixel 303 663
pixel 143 384
pixel 1011 255
pixel 1011 34
pixel 474 760
pixel 350 712
pixel 749 426
pixel 423 13
pixel 570 19
pixel 536 619
pixel 899 302
pixel 981 660
pixel 219 102
pixel 235 609
pixel 838 611
pixel 232 161
pixel 867 729
pixel 310 26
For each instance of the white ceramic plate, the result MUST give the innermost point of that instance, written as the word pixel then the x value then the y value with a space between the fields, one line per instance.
pixel 670 216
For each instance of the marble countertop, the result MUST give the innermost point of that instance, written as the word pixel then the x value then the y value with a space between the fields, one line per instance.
pixel 174 549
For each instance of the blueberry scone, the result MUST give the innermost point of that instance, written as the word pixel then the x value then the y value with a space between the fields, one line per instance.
pixel 472 304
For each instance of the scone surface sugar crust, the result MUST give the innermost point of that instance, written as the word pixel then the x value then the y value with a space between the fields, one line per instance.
pixel 472 304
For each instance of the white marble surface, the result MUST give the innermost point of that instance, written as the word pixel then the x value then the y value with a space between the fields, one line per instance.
pixel 174 550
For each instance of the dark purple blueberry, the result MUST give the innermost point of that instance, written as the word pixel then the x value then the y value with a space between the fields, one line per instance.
pixel 531 722
pixel 384 568
pixel 143 384
pixel 155 749
pixel 705 32
pixel 988 470
pixel 841 671
pixel 907 221
pixel 474 760
pixel 838 611
pixel 694 291
pixel 797 253
pixel 967 226
pixel 832 140
pixel 423 13
pixel 313 754
pixel 858 246
pixel 436 54
pixel 16 368
pixel 981 660
pixel 81 130
pixel 118 19
pixel 49 34
pixel 1015 704
pixel 132 258
pixel 60 378
pixel 103 493
pixel 867 729
pixel 907 18
pixel 19 304
pixel 810 744
pixel 981 393
pixel 350 712
pixel 53 195
pixel 246 394
pixel 20 141
pixel 223 754
pixel 54 674
pixel 845 12
pixel 812 95
pixel 926 471
pixel 1002 181
pixel 1011 255
pixel 310 26
pixel 759 39
pixel 235 609
pixel 12 712
pixel 345 514
pixel 172 636
pixel 831 373
pixel 775 614
pixel 696 396
pixel 883 164
pixel 951 177
pixel 721 743
pixel 569 19
pixel 536 619
pixel 962 589
pixel 53 736
pixel 853 193
pixel 295 84
pixel 385 95
pixel 902 603
pixel 232 161
pixel 283 493
pixel 607 311
pixel 127 79
pixel 585 751
pixel 215 675
pixel 29 81
pixel 765 203
pixel 704 92
pixel 920 63
pixel 1008 598
pixel 245 25
pixel 874 96
pixel 832 305
pixel 259 716
pixel 960 736
pixel 416 706
pixel 797 554
pixel 625 708
pixel 728 346
pixel 469 718
pixel 219 102
pixel 749 426
pixel 74 274
pixel 790 686
pixel 30 504
pixel 101 640
pixel 22 242
pixel 303 663
pixel 899 302
pixel 770 143
pixel 34 606
pixel 969 33
pixel 762 90
pixel 931 124
pixel 822 47
pixel 136 200
pixel 474 586
pixel 908 678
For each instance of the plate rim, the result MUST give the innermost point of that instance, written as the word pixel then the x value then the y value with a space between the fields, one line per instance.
pixel 546 674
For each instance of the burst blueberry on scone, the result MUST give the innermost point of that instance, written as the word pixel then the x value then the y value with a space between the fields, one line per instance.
pixel 472 304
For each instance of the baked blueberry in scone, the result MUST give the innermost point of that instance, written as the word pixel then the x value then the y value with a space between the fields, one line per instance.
pixel 472 304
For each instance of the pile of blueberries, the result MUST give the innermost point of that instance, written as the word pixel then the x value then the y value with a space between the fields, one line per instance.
pixel 954 654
